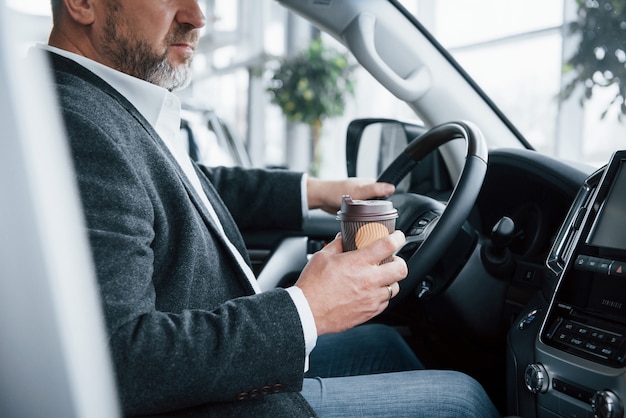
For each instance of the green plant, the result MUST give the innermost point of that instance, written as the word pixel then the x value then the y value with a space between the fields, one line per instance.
pixel 312 86
pixel 600 59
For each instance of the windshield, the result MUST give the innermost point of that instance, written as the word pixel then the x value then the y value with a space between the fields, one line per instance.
pixel 552 67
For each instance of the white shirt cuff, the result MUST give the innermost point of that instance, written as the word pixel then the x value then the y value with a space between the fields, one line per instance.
pixel 306 318
pixel 304 197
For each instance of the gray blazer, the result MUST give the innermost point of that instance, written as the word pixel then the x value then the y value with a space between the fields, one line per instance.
pixel 187 335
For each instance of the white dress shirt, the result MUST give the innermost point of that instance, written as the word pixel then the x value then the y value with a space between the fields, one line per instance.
pixel 162 109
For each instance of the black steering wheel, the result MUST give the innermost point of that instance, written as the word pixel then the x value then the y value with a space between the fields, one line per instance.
pixel 429 225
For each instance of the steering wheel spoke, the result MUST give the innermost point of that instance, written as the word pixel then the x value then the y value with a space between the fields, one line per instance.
pixel 418 230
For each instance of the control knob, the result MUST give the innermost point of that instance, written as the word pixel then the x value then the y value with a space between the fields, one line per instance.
pixel 536 378
pixel 606 404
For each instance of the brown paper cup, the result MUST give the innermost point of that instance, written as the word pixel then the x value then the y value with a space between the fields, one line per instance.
pixel 365 221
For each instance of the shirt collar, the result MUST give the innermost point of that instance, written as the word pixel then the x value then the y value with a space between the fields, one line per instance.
pixel 149 99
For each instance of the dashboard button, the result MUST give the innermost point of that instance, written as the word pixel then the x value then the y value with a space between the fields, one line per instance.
pixel 562 336
pixel 604 266
pixel 607 351
pixel 576 341
pixel 582 330
pixel 617 269
pixel 572 390
pixel 529 319
pixel 598 335
pixel 594 264
pixel 614 339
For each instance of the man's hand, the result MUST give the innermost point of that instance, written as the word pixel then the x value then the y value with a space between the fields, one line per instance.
pixel 327 194
pixel 347 289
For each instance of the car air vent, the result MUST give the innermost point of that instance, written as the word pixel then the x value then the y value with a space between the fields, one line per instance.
pixel 565 241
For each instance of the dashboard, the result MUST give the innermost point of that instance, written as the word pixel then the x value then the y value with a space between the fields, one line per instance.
pixel 567 352
pixel 534 191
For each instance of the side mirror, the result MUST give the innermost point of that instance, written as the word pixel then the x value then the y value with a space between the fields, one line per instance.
pixel 373 143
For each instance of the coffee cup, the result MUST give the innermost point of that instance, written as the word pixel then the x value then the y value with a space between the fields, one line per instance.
pixel 365 221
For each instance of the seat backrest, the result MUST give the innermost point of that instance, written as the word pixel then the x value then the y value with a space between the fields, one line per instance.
pixel 53 356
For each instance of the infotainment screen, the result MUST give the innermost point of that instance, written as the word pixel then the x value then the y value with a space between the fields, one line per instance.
pixel 609 230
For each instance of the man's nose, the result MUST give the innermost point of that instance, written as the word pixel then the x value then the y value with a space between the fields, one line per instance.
pixel 191 14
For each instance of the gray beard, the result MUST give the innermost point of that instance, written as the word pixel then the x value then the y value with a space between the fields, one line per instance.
pixel 168 77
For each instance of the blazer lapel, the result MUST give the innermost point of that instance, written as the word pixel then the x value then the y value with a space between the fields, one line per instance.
pixel 230 227
pixel 228 224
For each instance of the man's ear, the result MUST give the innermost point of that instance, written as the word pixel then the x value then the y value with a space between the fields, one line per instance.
pixel 81 11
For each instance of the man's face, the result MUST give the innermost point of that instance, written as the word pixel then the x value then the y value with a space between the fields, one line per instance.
pixel 153 40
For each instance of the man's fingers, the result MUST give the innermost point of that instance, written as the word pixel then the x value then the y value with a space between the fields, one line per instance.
pixel 376 251
pixel 335 246
pixel 392 291
pixel 381 189
pixel 369 189
pixel 384 247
